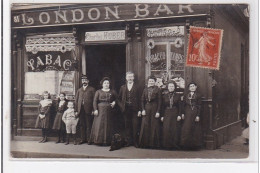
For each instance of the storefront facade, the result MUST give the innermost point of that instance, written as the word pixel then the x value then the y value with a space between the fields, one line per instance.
pixel 53 46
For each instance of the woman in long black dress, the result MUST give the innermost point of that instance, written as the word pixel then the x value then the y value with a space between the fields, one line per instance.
pixel 104 103
pixel 150 127
pixel 171 117
pixel 191 133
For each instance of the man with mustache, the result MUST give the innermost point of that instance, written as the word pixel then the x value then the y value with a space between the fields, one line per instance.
pixel 84 108
pixel 129 104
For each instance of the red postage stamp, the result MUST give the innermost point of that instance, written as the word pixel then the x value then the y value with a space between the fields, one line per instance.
pixel 204 47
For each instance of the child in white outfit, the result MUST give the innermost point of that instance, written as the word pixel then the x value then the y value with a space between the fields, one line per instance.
pixel 70 119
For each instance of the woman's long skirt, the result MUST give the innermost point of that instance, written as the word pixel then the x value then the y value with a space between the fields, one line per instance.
pixel 101 132
pixel 191 133
pixel 58 123
pixel 150 128
pixel 171 129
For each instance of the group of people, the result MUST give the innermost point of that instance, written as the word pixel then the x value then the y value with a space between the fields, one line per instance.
pixel 152 119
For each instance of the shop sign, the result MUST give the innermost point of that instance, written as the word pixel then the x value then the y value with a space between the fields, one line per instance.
pixel 43 61
pixel 97 14
pixel 175 31
pixel 115 35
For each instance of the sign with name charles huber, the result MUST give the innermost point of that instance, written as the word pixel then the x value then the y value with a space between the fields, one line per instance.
pixel 115 35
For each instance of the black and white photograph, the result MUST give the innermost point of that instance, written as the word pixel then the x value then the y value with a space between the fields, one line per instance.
pixel 131 81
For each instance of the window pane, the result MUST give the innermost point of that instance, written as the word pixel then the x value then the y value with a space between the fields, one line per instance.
pixel 52 81
pixel 177 57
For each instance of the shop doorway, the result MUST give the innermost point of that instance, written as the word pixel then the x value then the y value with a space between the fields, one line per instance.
pixel 106 60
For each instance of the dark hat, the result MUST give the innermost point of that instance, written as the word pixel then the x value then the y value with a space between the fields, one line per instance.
pixel 103 79
pixel 84 77
pixel 192 83
pixel 173 82
pixel 152 77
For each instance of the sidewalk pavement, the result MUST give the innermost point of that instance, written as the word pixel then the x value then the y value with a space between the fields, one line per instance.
pixel 32 149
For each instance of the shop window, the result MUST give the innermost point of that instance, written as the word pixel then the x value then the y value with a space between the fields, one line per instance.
pixel 165 54
pixel 50 65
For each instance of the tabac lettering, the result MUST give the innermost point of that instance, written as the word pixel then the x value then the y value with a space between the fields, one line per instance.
pixel 39 61
pixel 49 61
pixel 57 61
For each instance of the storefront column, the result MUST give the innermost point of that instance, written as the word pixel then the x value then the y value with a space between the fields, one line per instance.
pixel 129 48
pixel 14 91
pixel 140 70
pixel 188 70
pixel 79 58
pixel 18 87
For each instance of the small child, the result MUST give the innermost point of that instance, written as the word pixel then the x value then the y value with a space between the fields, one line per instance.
pixel 70 119
pixel 43 119
pixel 58 124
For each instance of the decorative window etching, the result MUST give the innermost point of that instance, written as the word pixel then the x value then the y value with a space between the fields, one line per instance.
pixel 50 42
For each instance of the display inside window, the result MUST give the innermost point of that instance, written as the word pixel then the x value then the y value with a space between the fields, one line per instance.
pixel 165 54
pixel 157 58
pixel 177 58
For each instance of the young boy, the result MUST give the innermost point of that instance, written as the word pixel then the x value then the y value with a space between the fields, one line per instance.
pixel 70 119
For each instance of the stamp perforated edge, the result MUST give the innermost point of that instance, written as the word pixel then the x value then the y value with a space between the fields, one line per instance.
pixel 219 51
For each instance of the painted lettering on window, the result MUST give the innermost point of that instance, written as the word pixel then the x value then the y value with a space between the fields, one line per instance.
pixel 43 61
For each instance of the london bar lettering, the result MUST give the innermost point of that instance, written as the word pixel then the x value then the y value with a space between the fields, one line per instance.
pixel 109 13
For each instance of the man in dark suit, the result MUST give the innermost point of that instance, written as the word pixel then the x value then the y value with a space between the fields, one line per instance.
pixel 84 108
pixel 129 104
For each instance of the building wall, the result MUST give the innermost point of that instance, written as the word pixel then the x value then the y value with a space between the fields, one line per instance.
pixel 227 92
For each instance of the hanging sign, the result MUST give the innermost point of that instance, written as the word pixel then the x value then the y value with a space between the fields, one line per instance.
pixel 67 84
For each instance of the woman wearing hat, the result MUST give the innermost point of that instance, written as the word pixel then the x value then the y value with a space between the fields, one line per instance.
pixel 104 103
pixel 171 117
pixel 191 134
pixel 150 127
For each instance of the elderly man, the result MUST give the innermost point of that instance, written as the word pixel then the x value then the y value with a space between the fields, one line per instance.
pixel 84 108
pixel 129 103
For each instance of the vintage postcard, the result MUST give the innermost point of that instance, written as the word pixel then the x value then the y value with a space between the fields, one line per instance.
pixel 130 81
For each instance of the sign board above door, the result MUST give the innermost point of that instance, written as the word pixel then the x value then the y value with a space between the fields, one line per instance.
pixel 87 14
pixel 115 35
